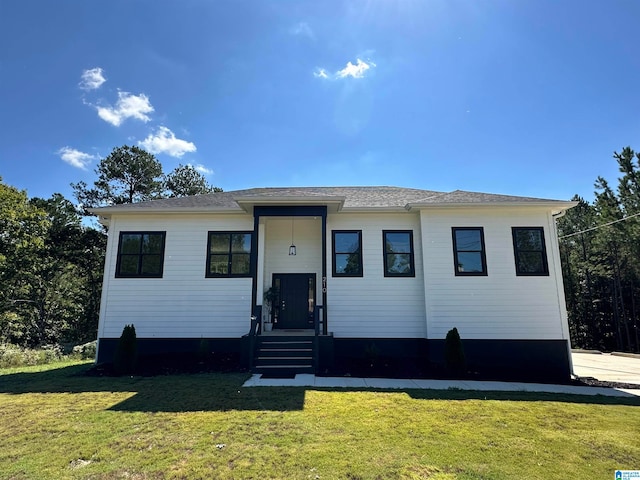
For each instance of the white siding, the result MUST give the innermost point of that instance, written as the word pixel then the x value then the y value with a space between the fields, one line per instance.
pixel 500 305
pixel 183 303
pixel 376 306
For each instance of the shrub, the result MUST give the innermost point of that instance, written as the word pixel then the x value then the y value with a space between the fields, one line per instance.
pixel 204 350
pixel 12 356
pixel 15 356
pixel 86 351
pixel 126 355
pixel 454 353
pixel 50 353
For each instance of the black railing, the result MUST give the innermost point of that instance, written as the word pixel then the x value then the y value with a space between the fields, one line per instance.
pixel 317 321
pixel 254 331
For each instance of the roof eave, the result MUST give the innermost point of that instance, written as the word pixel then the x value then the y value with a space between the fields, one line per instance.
pixel 372 209
pixel 108 211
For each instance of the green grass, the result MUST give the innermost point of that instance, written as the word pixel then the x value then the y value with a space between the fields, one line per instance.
pixel 57 423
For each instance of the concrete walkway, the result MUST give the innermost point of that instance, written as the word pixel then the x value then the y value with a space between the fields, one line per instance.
pixel 607 367
pixel 306 380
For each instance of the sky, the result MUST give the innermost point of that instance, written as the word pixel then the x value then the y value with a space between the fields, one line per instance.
pixel 526 97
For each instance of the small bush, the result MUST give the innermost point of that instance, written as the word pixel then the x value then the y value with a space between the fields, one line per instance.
pixel 50 353
pixel 86 351
pixel 15 356
pixel 371 353
pixel 204 350
pixel 126 355
pixel 454 353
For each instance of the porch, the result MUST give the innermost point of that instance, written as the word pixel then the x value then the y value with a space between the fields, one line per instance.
pixel 289 245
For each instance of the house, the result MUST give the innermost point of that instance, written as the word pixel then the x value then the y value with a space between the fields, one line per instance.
pixel 357 269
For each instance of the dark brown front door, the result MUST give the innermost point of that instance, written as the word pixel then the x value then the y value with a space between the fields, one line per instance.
pixel 297 299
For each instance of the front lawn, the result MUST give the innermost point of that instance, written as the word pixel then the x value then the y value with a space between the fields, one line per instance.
pixel 57 423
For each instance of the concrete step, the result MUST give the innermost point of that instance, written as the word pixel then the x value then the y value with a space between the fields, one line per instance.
pixel 282 370
pixel 284 361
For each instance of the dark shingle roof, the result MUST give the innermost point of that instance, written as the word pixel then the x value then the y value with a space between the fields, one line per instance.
pixel 461 196
pixel 352 198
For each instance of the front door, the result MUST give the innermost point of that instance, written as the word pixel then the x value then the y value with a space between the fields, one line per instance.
pixel 297 299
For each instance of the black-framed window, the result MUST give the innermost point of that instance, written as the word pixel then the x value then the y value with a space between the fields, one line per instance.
pixel 530 251
pixel 140 254
pixel 468 251
pixel 347 253
pixel 229 254
pixel 398 253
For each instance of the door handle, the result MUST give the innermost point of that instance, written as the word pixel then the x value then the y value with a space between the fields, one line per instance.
pixel 282 305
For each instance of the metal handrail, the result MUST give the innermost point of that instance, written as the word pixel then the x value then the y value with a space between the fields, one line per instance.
pixel 254 331
pixel 317 319
pixel 316 341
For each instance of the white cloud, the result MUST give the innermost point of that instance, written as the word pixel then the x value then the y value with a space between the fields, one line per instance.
pixel 202 169
pixel 354 71
pixel 320 73
pixel 92 79
pixel 128 106
pixel 75 158
pixel 165 141
pixel 302 29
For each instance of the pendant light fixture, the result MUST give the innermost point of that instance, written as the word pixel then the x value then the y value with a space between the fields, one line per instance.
pixel 292 248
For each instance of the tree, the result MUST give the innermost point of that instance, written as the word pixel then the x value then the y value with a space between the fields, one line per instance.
pixel 185 180
pixel 50 271
pixel 67 293
pixel 127 175
pixel 600 249
pixel 23 228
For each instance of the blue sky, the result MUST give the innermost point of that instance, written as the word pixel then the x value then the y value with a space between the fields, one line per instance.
pixel 527 97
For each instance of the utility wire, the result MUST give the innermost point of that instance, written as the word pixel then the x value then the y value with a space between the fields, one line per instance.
pixel 599 226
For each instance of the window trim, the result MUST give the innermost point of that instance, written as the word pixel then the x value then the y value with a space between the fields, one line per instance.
pixel 207 267
pixel 483 254
pixel 412 270
pixel 334 253
pixel 140 255
pixel 545 262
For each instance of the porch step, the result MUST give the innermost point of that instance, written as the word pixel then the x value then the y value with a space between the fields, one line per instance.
pixel 284 355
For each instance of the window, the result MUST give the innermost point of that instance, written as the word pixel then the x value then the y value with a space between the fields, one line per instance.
pixel 398 253
pixel 468 251
pixel 140 254
pixel 229 254
pixel 529 250
pixel 347 253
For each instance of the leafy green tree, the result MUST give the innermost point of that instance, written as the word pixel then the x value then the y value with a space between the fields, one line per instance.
pixel 126 175
pixel 50 271
pixel 185 180
pixel 69 276
pixel 23 229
